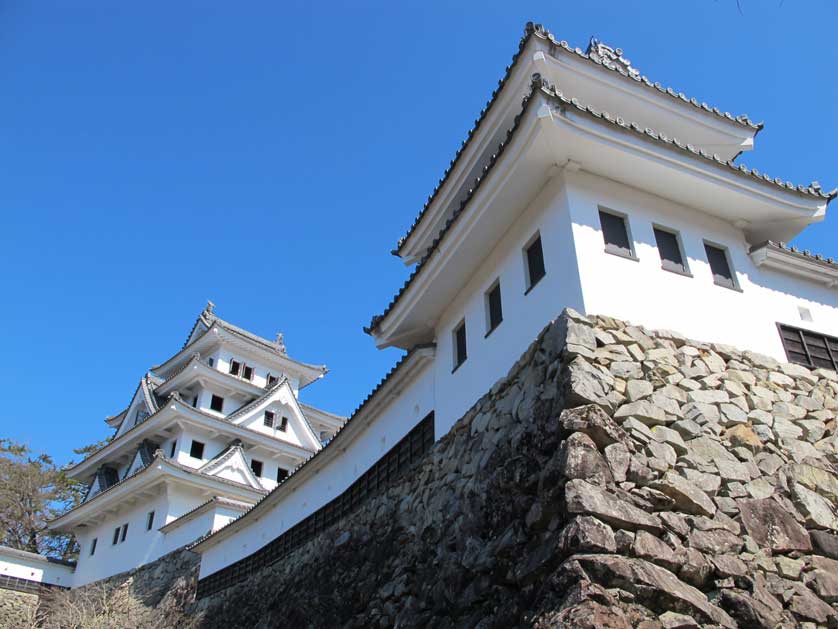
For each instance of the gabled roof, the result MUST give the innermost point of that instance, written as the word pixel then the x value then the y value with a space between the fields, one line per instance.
pixel 343 433
pixel 231 457
pixel 541 87
pixel 215 501
pixel 269 396
pixel 596 55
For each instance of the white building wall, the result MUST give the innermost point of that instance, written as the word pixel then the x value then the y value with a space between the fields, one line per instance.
pixel 524 313
pixel 642 292
pixel 402 413
pixel 33 567
pixel 140 545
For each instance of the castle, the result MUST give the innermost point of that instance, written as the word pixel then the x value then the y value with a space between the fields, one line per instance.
pixel 582 185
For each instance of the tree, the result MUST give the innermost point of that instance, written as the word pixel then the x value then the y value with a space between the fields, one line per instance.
pixel 33 491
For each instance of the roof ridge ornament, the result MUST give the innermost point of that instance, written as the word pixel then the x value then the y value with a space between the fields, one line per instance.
pixel 280 343
pixel 611 57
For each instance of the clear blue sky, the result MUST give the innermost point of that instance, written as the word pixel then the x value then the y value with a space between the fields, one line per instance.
pixel 268 156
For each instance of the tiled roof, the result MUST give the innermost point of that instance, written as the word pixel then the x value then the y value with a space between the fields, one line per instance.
pixel 215 500
pixel 335 438
pixel 453 219
pixel 798 252
pixel 538 30
pixel 542 86
pixel 813 189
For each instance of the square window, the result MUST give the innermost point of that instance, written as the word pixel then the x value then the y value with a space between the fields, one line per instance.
pixel 460 348
pixel 235 366
pixel 124 532
pixel 217 403
pixel 534 256
pixel 197 450
pixel 149 522
pixel 272 380
pixel 615 234
pixel 720 266
pixel 671 253
pixel 281 475
pixel 256 466
pixel 283 424
pixel 494 308
pixel 247 372
pixel 116 535
pixel 93 546
pixel 269 419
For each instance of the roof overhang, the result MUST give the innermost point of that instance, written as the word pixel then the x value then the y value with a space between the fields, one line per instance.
pixel 603 84
pixel 550 135
pixel 412 364
pixel 198 371
pixel 161 426
pixel 143 484
pixel 777 258
pixel 210 506
pixel 218 335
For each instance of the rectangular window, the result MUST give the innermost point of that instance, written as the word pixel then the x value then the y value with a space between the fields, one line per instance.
pixel 247 372
pixel 217 403
pixel 269 419
pixel 272 380
pixel 235 366
pixel 116 535
pixel 808 348
pixel 149 521
pixel 124 532
pixel 196 451
pixel 460 349
pixel 281 475
pixel 173 449
pixel 283 424
pixel 671 253
pixel 195 402
pixel 210 361
pixel 615 234
pixel 720 266
pixel 256 466
pixel 534 256
pixel 494 308
pixel 93 546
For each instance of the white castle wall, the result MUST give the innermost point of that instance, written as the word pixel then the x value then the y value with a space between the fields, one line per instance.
pixel 327 476
pixel 32 567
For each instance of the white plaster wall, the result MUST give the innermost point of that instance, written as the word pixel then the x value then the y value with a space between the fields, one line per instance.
pixel 223 356
pixel 642 292
pixel 34 569
pixel 524 315
pixel 140 545
pixel 403 412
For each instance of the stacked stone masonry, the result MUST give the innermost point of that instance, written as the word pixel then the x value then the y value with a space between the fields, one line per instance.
pixel 617 477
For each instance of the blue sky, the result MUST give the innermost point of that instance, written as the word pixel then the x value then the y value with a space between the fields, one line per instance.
pixel 268 156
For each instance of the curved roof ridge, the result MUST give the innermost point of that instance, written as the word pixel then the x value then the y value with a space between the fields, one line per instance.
pixel 533 29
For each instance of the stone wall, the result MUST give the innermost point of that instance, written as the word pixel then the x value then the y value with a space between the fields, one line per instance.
pixel 616 477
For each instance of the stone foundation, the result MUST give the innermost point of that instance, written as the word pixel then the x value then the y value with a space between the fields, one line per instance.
pixel 617 477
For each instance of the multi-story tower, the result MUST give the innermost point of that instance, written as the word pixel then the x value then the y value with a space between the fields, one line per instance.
pixel 207 433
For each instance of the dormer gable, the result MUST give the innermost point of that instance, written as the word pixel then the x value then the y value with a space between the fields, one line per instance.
pixel 231 464
pixel 142 458
pixel 285 418
pixel 142 405
pixel 105 477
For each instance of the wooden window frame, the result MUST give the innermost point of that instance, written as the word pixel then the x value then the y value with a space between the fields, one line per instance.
pixel 212 403
pixel 458 359
pixel 613 249
pixel 283 424
pixel 734 280
pixel 491 325
pixel 530 281
pixel 269 418
pixel 668 265
pixel 199 445
pixel 830 346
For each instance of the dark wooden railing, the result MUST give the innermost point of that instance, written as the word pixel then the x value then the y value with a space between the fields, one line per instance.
pixel 17 584
pixel 384 472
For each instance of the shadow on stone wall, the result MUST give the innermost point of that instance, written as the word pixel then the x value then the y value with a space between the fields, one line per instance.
pixel 616 477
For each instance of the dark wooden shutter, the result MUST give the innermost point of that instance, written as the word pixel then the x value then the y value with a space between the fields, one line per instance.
pixel 808 348
pixel 461 348
pixel 535 262
pixel 670 251
pixel 495 307
pixel 615 233
pixel 717 258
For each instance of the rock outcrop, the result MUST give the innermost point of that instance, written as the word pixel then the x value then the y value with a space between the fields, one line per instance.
pixel 617 477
